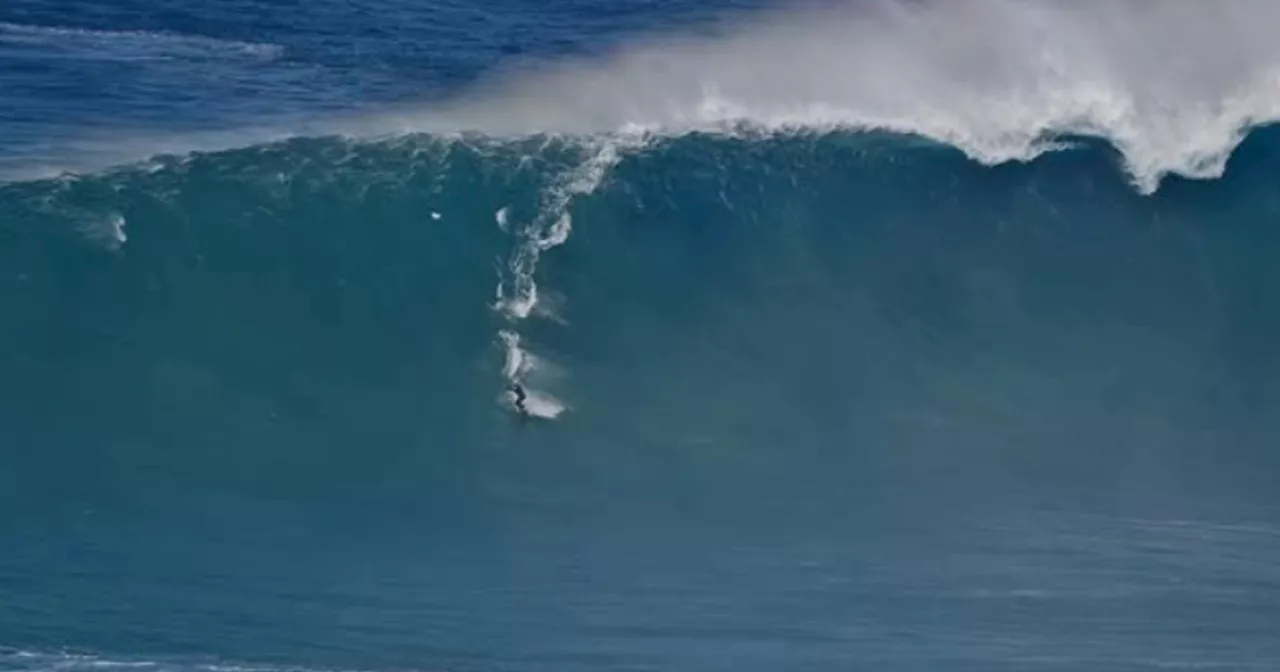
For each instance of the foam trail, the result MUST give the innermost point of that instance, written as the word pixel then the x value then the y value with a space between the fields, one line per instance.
pixel 517 292
pixel 132 44
pixel 1173 83
pixel 517 365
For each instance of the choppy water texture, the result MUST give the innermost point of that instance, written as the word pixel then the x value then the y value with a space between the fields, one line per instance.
pixel 878 335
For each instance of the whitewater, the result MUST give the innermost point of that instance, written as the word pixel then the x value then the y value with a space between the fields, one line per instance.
pixel 1001 80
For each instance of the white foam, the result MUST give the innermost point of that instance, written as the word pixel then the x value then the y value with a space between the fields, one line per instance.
pixel 131 44
pixel 518 364
pixel 542 405
pixel 1173 83
pixel 517 291
pixel 116 224
pixel 514 364
pixel 105 230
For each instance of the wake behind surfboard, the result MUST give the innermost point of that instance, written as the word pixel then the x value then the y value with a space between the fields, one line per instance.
pixel 519 397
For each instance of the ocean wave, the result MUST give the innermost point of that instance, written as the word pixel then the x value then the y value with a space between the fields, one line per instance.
pixel 1173 86
pixel 703 290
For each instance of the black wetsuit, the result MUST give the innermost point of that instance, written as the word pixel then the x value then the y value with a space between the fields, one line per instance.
pixel 518 390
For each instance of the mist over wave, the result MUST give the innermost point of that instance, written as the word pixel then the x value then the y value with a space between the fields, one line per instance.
pixel 1173 85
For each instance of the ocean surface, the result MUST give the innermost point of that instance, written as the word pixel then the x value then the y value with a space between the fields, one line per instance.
pixel 933 335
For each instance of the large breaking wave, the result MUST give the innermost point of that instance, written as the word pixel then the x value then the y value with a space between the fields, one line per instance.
pixel 818 269
pixel 701 290
pixel 756 233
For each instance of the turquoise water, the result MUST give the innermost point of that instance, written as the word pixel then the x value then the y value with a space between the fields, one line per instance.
pixel 817 395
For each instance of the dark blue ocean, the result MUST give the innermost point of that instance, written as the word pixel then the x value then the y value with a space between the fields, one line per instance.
pixel 891 335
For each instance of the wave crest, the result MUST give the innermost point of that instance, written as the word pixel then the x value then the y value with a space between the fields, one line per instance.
pixel 1173 85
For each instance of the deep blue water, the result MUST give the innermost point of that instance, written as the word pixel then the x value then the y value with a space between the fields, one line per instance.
pixel 872 393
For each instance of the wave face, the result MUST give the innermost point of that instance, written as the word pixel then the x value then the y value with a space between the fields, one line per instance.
pixel 280 358
pixel 269 362
pixel 825 276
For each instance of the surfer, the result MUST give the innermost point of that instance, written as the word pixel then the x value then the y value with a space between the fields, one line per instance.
pixel 518 391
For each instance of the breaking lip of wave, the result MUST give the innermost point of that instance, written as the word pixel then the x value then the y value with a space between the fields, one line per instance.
pixel 1174 85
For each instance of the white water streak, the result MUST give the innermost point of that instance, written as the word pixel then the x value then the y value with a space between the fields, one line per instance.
pixel 131 45
pixel 518 365
pixel 517 292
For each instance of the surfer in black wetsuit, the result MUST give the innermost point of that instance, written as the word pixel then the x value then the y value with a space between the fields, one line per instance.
pixel 520 397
